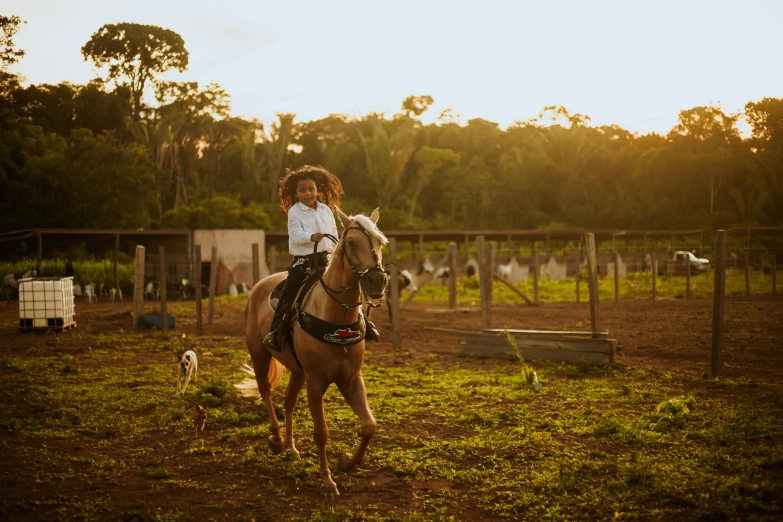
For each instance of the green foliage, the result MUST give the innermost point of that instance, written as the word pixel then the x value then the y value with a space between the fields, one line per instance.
pixel 84 272
pixel 9 55
pixel 186 155
pixel 136 53
pixel 220 212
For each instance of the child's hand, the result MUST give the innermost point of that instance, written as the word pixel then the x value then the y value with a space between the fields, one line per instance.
pixel 316 237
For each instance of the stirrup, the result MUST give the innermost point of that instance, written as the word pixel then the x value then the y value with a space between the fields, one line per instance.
pixel 270 341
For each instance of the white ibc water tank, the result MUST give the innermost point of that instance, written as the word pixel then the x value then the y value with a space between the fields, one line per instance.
pixel 46 302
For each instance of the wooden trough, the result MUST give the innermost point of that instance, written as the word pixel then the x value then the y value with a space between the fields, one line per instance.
pixel 572 347
pixel 592 347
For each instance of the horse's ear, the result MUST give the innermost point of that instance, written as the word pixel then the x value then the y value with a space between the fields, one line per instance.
pixel 346 221
pixel 375 215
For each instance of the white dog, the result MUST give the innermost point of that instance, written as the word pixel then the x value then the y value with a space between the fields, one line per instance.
pixel 187 367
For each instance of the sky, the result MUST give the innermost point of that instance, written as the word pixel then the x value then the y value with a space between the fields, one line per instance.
pixel 631 63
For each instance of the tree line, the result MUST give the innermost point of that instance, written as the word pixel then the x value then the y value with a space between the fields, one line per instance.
pixel 132 150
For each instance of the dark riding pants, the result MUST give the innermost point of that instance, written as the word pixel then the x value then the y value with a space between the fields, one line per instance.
pixel 297 273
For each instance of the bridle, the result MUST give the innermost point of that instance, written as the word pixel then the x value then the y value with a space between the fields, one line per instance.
pixel 359 275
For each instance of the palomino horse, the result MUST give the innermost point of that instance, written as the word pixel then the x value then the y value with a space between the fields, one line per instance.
pixel 354 272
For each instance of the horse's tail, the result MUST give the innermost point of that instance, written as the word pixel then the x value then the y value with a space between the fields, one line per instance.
pixel 249 387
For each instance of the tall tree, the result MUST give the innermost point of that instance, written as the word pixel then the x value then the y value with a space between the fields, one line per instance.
pixel 275 158
pixel 185 113
pixel 9 54
pixel 430 161
pixel 386 157
pixel 137 54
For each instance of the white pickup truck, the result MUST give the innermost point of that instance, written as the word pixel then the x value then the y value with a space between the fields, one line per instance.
pixel 701 265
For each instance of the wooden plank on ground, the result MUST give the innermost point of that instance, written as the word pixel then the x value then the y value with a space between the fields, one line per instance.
pixel 547 332
pixel 478 350
pixel 575 344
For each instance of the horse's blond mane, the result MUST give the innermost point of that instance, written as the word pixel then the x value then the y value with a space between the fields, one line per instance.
pixel 367 224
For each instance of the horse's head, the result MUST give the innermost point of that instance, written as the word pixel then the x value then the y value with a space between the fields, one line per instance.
pixel 362 244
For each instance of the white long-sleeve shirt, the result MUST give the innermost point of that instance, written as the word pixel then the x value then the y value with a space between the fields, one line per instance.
pixel 303 222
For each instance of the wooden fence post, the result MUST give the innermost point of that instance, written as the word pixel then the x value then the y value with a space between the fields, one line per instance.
pixel 536 272
pixel 117 265
pixel 654 277
pixel 197 274
pixel 687 277
pixel 578 274
pixel 164 317
pixel 616 276
pixel 273 259
pixel 39 254
pixel 483 285
pixel 490 271
pixel 592 281
pixel 138 287
pixel 452 275
pixel 395 295
pixel 747 267
pixel 256 268
pixel 212 285
pixel 718 302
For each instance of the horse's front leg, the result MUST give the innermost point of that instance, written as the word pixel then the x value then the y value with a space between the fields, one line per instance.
pixel 315 398
pixel 354 392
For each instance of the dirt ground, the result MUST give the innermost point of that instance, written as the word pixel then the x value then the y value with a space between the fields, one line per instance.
pixel 663 334
pixel 669 334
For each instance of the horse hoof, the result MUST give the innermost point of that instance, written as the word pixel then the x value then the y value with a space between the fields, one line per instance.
pixel 292 452
pixel 328 490
pixel 275 445
pixel 345 462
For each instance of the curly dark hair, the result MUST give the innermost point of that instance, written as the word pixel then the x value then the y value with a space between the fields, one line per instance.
pixel 330 190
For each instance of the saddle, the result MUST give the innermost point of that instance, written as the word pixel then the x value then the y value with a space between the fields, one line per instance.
pixel 338 334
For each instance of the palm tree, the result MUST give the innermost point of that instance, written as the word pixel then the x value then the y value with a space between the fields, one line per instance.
pixel 386 157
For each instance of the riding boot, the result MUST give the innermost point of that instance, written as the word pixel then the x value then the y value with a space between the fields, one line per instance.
pixel 371 332
pixel 271 339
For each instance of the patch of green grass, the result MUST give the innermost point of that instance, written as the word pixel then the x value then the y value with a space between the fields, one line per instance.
pixel 632 286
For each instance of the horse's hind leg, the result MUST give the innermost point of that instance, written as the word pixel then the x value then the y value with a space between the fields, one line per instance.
pixel 315 398
pixel 354 392
pixel 291 396
pixel 261 360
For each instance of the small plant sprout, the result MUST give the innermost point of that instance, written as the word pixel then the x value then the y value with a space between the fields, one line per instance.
pixel 528 374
